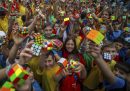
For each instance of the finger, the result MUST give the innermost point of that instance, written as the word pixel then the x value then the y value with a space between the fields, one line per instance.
pixel 26 55
pixel 78 68
pixel 77 71
pixel 29 44
pixel 27 50
pixel 95 48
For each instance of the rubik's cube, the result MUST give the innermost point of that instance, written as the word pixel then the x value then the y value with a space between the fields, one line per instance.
pixel 47 46
pixel 23 32
pixel 38 38
pixel 66 21
pixel 127 29
pixel 113 18
pixel 95 36
pixel 107 56
pixel 63 64
pixel 36 48
pixel 17 74
pixel 8 86
pixel 72 64
pixel 57 43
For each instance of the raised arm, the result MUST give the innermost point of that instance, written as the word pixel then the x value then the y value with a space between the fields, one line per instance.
pixel 13 52
pixel 95 52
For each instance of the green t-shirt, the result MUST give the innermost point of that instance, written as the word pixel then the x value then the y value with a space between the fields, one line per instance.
pixel 88 59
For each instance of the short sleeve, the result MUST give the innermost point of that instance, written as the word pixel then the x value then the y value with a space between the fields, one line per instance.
pixel 119 83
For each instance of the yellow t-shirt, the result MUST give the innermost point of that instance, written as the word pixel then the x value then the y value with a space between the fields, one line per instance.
pixel 46 77
pixel 95 76
pixel 78 41
pixel 34 65
pixel 22 9
pixel 48 81
pixel 4 24
pixel 19 20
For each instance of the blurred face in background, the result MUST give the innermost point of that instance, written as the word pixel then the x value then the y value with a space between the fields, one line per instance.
pixel 105 15
pixel 111 50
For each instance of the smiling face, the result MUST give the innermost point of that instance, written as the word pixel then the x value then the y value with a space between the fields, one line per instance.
pixel 70 45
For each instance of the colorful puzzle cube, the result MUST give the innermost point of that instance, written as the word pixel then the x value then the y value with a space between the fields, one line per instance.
pixel 38 38
pixel 57 43
pixel 72 64
pixel 107 56
pixel 127 29
pixel 7 89
pixel 95 36
pixel 23 32
pixel 8 86
pixel 47 46
pixel 66 21
pixel 17 74
pixel 62 62
pixel 113 18
pixel 36 48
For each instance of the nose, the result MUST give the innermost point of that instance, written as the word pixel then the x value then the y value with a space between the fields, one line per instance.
pixel 116 72
pixel 69 46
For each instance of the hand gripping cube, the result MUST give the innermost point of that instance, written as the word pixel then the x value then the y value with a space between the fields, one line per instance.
pixel 62 63
pixel 95 36
pixel 17 74
pixel 72 64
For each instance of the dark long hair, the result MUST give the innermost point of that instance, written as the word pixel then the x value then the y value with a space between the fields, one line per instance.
pixel 75 51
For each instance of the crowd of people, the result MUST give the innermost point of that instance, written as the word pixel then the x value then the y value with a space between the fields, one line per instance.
pixel 75 62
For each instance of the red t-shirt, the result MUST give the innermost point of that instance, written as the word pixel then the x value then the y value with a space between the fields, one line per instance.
pixel 70 83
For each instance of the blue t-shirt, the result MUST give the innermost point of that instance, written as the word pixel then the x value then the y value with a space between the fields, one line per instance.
pixel 2 61
pixel 36 86
pixel 119 83
pixel 111 36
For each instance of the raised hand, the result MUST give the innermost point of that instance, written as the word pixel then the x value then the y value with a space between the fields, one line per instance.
pixel 17 39
pixel 94 50
pixel 26 54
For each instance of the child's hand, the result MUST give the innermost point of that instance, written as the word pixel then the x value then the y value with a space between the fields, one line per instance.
pixel 66 72
pixel 79 67
pixel 94 50
pixel 17 39
pixel 26 54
